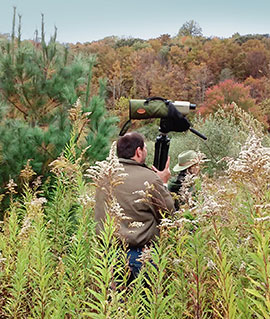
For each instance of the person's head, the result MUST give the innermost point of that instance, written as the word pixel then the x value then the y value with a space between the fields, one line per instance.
pixel 187 160
pixel 132 146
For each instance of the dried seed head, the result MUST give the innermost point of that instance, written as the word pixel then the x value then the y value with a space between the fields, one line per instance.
pixel 63 168
pixel 252 165
pixel 145 256
pixel 87 200
pixel 27 173
pixel 107 174
pixel 11 187
pixel 136 224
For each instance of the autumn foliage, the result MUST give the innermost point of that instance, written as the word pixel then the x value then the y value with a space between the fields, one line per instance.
pixel 205 71
pixel 225 93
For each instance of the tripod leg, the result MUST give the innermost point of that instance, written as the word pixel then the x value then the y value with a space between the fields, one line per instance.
pixel 162 145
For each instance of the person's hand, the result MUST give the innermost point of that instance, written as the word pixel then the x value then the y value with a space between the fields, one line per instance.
pixel 165 174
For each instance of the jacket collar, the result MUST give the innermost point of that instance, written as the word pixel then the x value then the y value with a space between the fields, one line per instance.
pixel 131 162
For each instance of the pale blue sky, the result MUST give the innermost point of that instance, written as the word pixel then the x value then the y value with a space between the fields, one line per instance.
pixel 89 20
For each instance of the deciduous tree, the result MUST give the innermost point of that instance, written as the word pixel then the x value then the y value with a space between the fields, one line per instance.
pixel 224 94
pixel 190 28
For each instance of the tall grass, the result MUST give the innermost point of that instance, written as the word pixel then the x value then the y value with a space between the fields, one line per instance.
pixel 211 260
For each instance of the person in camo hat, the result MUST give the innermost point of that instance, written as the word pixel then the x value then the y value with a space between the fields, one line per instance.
pixel 188 162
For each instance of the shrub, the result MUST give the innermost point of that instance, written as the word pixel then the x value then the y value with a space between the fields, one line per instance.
pixel 226 131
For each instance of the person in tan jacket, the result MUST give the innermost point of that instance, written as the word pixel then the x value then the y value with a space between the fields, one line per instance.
pixel 144 216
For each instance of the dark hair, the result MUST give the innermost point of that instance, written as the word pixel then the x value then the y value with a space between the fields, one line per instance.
pixel 127 144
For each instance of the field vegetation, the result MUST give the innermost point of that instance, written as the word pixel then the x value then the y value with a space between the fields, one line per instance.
pixel 211 261
pixel 59 112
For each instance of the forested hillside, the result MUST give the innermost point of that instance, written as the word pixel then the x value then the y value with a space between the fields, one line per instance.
pixel 206 71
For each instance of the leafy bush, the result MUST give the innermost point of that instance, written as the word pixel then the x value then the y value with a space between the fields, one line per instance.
pixel 218 144
pixel 226 131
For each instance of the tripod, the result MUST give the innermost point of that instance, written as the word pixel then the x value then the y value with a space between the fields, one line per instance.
pixel 162 145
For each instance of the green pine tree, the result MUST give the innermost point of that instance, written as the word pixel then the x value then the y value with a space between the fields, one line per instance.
pixel 39 84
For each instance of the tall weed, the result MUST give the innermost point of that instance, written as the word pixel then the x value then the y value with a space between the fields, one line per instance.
pixel 210 261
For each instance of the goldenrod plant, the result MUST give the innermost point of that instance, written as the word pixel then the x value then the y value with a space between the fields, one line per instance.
pixel 105 297
pixel 211 260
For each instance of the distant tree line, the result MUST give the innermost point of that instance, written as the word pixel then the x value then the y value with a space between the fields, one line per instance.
pixel 188 66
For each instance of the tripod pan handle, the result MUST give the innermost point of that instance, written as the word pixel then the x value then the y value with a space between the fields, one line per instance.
pixel 198 133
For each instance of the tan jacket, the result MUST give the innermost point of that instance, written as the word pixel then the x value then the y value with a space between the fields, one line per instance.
pixel 146 213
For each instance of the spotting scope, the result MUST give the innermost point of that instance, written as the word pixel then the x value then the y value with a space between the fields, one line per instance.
pixel 172 119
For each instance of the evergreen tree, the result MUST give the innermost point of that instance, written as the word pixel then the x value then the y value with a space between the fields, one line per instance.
pixel 39 84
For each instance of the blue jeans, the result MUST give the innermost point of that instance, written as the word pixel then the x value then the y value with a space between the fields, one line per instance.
pixel 135 266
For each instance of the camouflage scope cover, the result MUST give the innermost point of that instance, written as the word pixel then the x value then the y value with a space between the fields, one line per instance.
pixel 141 109
pixel 156 108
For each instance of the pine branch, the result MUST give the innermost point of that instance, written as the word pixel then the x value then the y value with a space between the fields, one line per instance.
pixel 16 106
